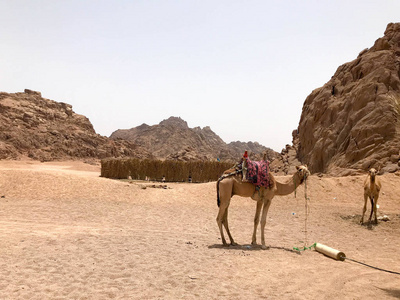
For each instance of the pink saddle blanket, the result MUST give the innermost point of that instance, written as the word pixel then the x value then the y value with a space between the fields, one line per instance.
pixel 257 172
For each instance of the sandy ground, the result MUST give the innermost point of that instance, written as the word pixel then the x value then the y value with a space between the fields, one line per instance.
pixel 66 233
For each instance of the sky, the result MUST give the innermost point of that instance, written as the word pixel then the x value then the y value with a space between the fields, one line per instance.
pixel 244 68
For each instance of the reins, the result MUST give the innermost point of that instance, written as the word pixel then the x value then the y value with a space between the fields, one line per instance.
pixel 228 175
pixel 307 209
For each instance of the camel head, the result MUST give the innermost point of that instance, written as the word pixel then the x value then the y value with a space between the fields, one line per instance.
pixel 372 172
pixel 302 172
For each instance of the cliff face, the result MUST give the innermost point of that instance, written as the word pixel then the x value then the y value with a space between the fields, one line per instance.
pixel 45 130
pixel 352 122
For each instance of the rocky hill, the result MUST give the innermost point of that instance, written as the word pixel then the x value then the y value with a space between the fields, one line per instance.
pixel 352 122
pixel 173 139
pixel 44 129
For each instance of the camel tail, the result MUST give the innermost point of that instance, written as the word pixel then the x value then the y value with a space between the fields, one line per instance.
pixel 225 175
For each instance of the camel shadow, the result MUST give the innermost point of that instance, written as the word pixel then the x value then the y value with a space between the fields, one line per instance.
pixel 249 247
pixel 370 225
pixel 391 292
pixel 355 219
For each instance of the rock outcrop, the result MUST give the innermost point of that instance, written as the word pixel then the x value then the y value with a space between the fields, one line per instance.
pixel 173 139
pixel 45 130
pixel 352 122
pixel 286 162
pixel 255 149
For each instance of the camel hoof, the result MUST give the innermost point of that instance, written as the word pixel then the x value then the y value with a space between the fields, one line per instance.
pixel 234 244
pixel 264 247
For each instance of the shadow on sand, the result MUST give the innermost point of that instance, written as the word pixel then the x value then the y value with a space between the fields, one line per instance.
pixel 249 247
pixel 391 292
pixel 355 219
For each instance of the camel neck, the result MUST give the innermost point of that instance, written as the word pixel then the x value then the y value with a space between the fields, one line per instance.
pixel 288 187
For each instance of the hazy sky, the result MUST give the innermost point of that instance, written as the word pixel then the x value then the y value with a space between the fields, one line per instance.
pixel 244 68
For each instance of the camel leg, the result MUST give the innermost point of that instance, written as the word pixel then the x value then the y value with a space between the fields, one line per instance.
pixel 225 222
pixel 375 208
pixel 225 194
pixel 364 209
pixel 256 221
pixel 267 203
pixel 372 209
pixel 220 219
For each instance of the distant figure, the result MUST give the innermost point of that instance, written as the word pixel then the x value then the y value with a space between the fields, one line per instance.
pixel 163 178
pixel 333 90
pixel 190 179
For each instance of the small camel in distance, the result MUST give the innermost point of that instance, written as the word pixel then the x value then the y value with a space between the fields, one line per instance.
pixel 228 186
pixel 372 187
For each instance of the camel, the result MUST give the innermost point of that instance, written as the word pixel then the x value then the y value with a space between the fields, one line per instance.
pixel 372 187
pixel 229 185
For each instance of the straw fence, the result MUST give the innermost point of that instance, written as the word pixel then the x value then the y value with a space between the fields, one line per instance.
pixel 174 171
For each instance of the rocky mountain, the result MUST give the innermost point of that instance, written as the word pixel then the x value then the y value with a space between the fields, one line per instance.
pixel 44 129
pixel 255 149
pixel 286 162
pixel 173 139
pixel 352 122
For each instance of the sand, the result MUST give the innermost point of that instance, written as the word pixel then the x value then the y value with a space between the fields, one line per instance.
pixel 66 233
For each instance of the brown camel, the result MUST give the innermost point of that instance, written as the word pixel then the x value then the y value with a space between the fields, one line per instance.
pixel 227 186
pixel 372 187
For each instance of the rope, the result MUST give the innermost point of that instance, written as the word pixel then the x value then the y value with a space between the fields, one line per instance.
pixel 307 210
pixel 228 175
pixel 295 188
pixel 369 266
pixel 305 248
pixel 353 260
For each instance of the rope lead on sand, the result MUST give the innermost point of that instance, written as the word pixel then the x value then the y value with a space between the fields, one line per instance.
pixel 304 248
pixel 338 255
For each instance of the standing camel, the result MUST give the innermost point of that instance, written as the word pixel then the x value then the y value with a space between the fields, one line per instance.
pixel 233 185
pixel 372 187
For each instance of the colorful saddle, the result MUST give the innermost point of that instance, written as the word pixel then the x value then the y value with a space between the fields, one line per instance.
pixel 256 172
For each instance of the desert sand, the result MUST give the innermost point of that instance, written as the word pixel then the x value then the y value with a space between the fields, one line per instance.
pixel 66 233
